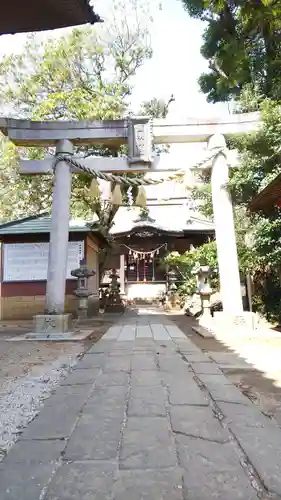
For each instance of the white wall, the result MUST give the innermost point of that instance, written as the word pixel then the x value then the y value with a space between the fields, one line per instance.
pixel 144 290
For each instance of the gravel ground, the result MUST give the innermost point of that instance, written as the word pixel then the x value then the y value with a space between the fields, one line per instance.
pixel 29 372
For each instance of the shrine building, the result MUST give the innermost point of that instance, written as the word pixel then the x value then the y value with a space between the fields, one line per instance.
pixel 24 261
pixel 143 238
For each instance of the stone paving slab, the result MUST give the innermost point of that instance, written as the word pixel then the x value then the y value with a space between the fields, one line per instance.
pixel 147 444
pixel 24 481
pixel 89 362
pixel 245 415
pixel 63 391
pixel 197 422
pixel 145 415
pixel 263 449
pixel 174 363
pixel 113 332
pixel 159 332
pixel 95 438
pixel 211 381
pixel 206 368
pixel 229 393
pixel 146 378
pixel 128 332
pixel 213 470
pixel 107 401
pixel 148 485
pixel 175 332
pixel 143 362
pixel 147 401
pixel 36 451
pixel 197 358
pixel 143 331
pixel 107 380
pixel 56 420
pixel 80 377
pixel 102 347
pixel 186 392
pixel 118 364
pixel 82 481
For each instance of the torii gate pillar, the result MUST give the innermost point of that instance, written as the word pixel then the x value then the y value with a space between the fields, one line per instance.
pixel 230 287
pixel 58 248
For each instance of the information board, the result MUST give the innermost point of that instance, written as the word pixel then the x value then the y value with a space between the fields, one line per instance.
pixel 29 261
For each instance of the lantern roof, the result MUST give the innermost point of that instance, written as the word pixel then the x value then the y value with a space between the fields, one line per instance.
pixel 21 16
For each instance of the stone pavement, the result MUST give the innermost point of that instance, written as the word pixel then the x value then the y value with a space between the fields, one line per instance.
pixel 145 415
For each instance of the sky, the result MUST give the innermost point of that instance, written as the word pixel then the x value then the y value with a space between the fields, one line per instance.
pixel 176 63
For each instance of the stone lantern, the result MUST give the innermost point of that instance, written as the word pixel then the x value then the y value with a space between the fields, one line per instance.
pixel 204 289
pixel 113 300
pixel 172 287
pixel 83 273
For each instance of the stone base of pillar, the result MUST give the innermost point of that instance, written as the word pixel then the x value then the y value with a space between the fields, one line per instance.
pixel 245 319
pixel 54 327
pixel 49 324
pixel 227 323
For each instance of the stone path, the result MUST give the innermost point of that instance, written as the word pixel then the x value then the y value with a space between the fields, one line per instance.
pixel 145 415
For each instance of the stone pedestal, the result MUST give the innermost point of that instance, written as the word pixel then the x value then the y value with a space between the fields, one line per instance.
pixel 247 320
pixel 54 327
pixel 52 323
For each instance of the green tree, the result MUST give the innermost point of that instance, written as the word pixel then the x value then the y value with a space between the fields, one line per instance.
pixel 85 75
pixel 241 41
pixel 184 264
pixel 259 164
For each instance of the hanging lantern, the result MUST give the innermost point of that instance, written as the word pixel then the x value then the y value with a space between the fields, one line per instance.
pixel 157 251
pixel 116 197
pixel 94 191
pixel 141 197
pixel 130 252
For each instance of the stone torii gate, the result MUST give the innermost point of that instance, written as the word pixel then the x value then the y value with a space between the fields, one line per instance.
pixel 140 134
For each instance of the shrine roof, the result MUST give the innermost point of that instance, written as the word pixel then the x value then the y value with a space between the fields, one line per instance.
pixel 33 15
pixel 172 219
pixel 42 224
pixel 167 218
pixel 268 198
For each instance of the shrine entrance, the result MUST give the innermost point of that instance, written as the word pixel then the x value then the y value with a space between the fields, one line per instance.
pixel 139 134
pixel 145 266
pixel 140 251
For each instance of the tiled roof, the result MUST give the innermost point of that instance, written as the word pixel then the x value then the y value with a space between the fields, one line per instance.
pixel 168 218
pixel 40 224
pixel 174 219
pixel 21 16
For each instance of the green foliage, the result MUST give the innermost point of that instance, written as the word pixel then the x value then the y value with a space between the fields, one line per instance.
pixel 84 75
pixel 242 44
pixel 185 264
pixel 259 164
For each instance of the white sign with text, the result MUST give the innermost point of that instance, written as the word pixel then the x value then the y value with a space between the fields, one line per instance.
pixel 29 261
